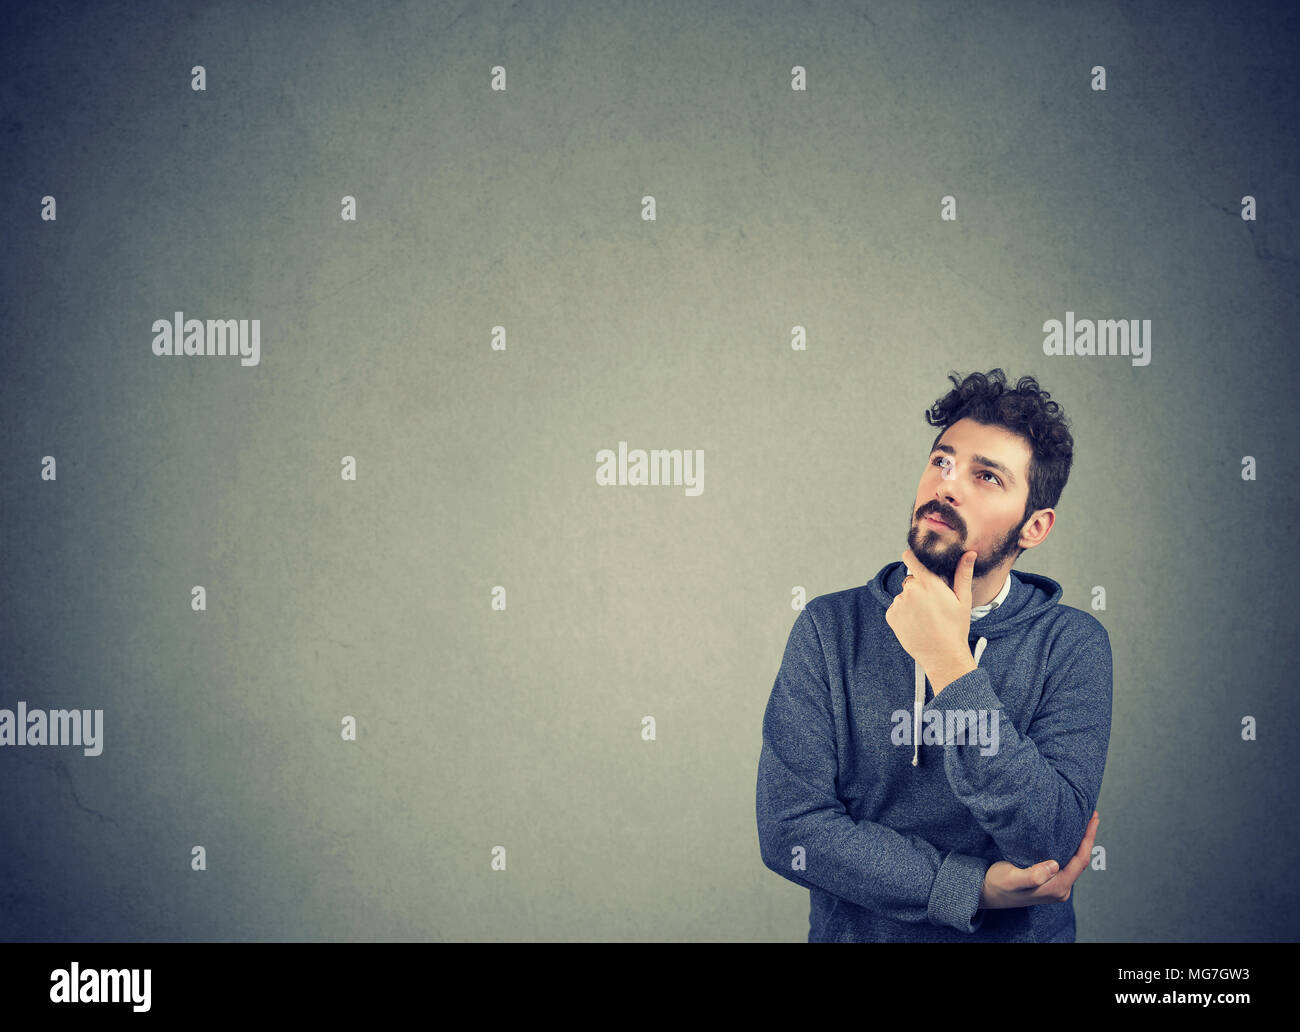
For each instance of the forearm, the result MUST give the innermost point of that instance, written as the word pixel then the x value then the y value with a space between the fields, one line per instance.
pixel 900 877
pixel 1023 801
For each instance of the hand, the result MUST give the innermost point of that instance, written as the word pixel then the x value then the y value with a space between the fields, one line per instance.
pixel 1006 885
pixel 932 620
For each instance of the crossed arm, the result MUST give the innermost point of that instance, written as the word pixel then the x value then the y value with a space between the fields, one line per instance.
pixel 902 877
pixel 807 835
pixel 1035 794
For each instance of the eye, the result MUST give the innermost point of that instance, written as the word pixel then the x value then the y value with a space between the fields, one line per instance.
pixel 944 461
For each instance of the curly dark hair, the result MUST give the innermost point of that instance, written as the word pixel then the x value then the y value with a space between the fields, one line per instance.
pixel 1025 410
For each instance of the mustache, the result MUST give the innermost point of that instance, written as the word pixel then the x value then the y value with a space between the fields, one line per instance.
pixel 940 514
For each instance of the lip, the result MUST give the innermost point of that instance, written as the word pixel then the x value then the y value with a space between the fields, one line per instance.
pixel 937 522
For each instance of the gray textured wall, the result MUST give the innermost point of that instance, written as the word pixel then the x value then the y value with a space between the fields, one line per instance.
pixel 476 466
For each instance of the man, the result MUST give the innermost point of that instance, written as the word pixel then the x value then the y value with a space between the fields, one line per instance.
pixel 934 742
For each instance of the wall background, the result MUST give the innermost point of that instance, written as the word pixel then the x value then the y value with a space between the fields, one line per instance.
pixel 476 467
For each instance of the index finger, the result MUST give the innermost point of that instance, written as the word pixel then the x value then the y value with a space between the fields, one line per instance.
pixel 914 565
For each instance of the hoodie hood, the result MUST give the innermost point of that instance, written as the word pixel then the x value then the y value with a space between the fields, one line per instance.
pixel 1030 595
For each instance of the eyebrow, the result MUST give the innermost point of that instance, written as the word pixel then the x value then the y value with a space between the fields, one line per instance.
pixel 981 460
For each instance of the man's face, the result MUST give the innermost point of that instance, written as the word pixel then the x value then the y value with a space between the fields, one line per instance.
pixel 982 499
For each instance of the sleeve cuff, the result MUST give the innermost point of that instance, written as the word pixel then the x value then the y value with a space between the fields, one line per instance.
pixel 955 895
pixel 972 690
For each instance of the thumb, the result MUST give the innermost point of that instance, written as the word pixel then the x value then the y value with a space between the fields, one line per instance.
pixel 965 574
pixel 1011 878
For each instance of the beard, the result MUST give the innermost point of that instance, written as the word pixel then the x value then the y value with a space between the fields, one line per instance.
pixel 940 551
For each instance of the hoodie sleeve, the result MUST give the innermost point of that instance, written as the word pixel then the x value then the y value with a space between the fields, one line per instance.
pixel 805 833
pixel 1035 794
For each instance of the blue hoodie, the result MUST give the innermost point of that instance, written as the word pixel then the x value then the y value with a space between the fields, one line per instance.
pixel 892 836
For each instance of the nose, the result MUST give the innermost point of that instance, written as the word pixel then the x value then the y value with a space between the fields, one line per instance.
pixel 945 489
pixel 947 494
